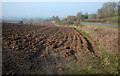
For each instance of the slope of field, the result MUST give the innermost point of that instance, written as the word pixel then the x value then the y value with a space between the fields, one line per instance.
pixel 107 42
pixel 107 37
pixel 107 46
pixel 31 49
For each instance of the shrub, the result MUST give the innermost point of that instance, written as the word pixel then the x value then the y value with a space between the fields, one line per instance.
pixel 21 22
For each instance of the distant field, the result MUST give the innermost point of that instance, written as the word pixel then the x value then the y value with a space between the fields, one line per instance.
pixel 101 24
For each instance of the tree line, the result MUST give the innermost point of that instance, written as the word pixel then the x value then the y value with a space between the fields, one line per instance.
pixel 70 19
pixel 108 9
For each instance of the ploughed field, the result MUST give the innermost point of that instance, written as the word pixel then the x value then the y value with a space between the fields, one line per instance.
pixel 38 49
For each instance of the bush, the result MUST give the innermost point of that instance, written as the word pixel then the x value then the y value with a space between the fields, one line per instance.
pixel 21 22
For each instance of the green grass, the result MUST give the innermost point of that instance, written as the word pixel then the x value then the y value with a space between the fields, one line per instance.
pixel 110 20
pixel 82 31
pixel 111 23
pixel 89 65
pixel 113 20
pixel 107 63
pixel 102 26
pixel 92 65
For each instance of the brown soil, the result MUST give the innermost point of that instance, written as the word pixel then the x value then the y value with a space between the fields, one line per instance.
pixel 105 36
pixel 31 49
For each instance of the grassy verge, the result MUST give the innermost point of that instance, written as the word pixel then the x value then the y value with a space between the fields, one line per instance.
pixel 113 20
pixel 102 26
pixel 82 31
pixel 111 23
pixel 104 23
pixel 92 65
pixel 107 64
pixel 109 61
pixel 110 20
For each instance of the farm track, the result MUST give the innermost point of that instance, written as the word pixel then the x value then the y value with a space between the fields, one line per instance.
pixel 41 49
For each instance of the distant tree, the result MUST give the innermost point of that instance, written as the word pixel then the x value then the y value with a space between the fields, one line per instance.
pixel 71 19
pixel 57 19
pixel 100 13
pixel 86 16
pixel 92 16
pixel 21 22
pixel 119 8
pixel 64 21
pixel 53 18
pixel 77 23
pixel 79 16
pixel 108 9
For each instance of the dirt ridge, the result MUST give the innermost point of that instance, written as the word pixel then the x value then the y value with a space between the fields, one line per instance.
pixel 41 49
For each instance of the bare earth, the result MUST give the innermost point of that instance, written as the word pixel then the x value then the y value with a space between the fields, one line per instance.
pixel 35 49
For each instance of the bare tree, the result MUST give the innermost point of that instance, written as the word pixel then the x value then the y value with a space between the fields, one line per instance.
pixel 71 19
pixel 108 9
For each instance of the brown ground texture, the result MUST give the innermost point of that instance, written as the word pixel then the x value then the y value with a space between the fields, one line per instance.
pixel 35 49
pixel 105 36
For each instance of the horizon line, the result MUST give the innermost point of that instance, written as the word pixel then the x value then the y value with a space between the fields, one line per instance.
pixel 59 0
